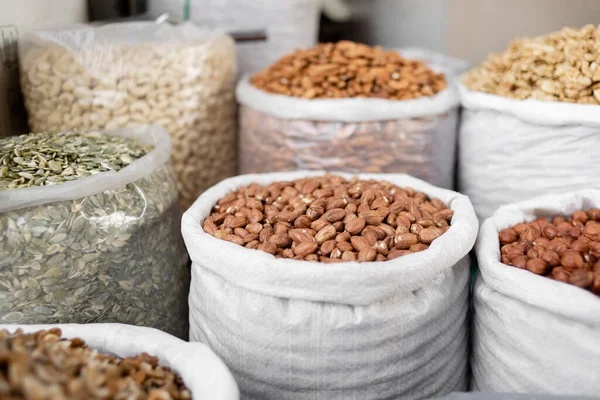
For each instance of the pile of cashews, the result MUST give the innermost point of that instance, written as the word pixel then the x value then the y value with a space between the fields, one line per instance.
pixel 187 87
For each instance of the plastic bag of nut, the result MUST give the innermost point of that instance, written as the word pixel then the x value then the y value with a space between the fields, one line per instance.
pixel 293 328
pixel 202 372
pixel 116 75
pixel 412 132
pixel 530 122
pixel 90 232
pixel 528 328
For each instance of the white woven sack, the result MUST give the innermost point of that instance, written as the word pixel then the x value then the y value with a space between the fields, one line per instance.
pixel 202 371
pixel 292 329
pixel 533 334
pixel 290 24
pixel 513 150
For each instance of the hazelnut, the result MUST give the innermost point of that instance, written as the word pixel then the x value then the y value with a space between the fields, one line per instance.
pixel 507 236
pixel 537 266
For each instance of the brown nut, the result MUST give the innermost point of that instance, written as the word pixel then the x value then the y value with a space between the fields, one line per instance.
pixel 508 236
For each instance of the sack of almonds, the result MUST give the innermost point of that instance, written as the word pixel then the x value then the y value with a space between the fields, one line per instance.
pixel 531 120
pixel 537 297
pixel 89 230
pixel 348 287
pixel 113 361
pixel 116 75
pixel 349 107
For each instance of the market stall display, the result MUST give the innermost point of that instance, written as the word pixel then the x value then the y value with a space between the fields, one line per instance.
pixel 531 121
pixel 525 324
pixel 116 75
pixel 107 361
pixel 90 228
pixel 288 328
pixel 349 107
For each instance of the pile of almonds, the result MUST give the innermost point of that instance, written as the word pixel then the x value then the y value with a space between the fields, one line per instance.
pixel 348 69
pixel 566 250
pixel 43 365
pixel 561 66
pixel 330 219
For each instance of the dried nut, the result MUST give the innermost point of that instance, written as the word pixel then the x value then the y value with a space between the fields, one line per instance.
pixel 325 234
pixel 367 254
pixel 328 218
pixel 418 247
pixel 551 257
pixel 571 261
pixel 560 274
pixel 355 226
pixel 416 229
pixel 328 247
pixel 305 248
pixel 537 266
pixel 371 217
pixel 348 256
pixel 268 247
pixel 430 234
pixel 405 241
pixel 592 232
pixel 582 278
pixel 359 243
pixel 520 261
pixel 508 236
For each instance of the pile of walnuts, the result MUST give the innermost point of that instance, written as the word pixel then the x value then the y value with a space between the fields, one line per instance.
pixel 330 219
pixel 566 250
pixel 42 365
pixel 561 66
pixel 348 69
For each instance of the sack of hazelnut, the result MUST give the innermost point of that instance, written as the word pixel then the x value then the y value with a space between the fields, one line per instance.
pixel 537 297
pixel 121 74
pixel 311 284
pixel 353 108
pixel 530 122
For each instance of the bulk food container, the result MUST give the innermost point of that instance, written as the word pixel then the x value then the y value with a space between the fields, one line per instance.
pixel 203 373
pixel 103 245
pixel 116 75
pixel 393 115
pixel 299 330
pixel 533 334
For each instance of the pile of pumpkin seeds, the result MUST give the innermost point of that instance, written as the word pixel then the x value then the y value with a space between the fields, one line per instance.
pixel 115 256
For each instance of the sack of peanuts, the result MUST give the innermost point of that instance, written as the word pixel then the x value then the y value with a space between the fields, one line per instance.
pixel 90 230
pixel 537 298
pixel 531 120
pixel 114 361
pixel 116 75
pixel 350 287
pixel 349 107
pixel 289 24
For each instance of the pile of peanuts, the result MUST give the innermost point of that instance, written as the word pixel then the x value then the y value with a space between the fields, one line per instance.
pixel 186 87
pixel 561 66
pixel 348 69
pixel 566 250
pixel 330 219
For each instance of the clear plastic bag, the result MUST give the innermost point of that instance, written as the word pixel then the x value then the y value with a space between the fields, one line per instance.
pixel 103 248
pixel 119 75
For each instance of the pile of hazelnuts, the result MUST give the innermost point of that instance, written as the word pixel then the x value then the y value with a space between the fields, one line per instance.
pixel 563 249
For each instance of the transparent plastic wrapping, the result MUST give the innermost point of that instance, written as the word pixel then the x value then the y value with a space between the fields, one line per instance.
pixel 125 74
pixel 422 147
pixel 103 248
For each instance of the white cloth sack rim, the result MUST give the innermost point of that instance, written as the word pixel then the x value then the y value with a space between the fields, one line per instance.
pixel 349 109
pixel 14 199
pixel 346 283
pixel 555 297
pixel 205 374
pixel 551 113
